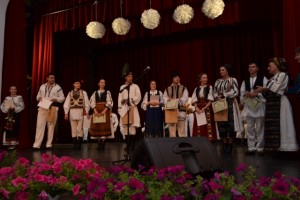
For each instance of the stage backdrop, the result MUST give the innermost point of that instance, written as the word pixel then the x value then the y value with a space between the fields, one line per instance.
pixel 248 30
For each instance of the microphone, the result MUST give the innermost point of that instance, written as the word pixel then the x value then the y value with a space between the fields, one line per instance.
pixel 147 68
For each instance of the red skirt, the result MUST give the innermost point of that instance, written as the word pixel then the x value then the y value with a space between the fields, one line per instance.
pixel 208 130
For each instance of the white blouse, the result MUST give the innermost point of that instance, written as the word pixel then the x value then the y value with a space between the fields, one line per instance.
pixel 17 102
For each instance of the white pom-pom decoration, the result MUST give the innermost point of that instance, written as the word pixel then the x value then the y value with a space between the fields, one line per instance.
pixel 150 18
pixel 183 14
pixel 121 26
pixel 213 8
pixel 95 30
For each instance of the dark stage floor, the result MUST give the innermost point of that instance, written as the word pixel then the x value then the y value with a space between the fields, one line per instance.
pixel 288 163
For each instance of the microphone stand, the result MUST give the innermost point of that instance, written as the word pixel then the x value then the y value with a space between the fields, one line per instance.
pixel 127 153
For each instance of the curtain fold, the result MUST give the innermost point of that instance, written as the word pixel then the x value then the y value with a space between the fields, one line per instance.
pixel 15 63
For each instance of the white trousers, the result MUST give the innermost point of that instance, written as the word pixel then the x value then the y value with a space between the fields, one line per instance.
pixel 180 126
pixel 40 128
pixel 255 130
pixel 85 134
pixel 76 127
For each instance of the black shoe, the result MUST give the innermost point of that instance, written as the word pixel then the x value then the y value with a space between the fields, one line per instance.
pixel 229 149
pixel 35 149
pixel 249 153
pixel 225 147
pixel 48 148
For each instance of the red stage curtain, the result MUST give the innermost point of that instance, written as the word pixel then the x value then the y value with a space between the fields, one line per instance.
pixel 291 40
pixel 15 62
pixel 250 29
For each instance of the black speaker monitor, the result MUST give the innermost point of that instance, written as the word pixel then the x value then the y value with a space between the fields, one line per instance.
pixel 196 153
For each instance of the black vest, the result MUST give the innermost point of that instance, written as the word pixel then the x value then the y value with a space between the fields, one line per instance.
pixel 205 92
pixel 101 98
pixel 258 82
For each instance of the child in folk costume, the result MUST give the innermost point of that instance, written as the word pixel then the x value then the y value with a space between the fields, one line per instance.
pixel 101 103
pixel 12 106
pixel 189 122
pixel 77 105
pixel 127 108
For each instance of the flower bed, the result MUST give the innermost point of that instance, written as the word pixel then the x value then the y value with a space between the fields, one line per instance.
pixel 84 179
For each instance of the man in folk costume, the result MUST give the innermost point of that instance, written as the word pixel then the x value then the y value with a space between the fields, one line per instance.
pixel 52 92
pixel 179 93
pixel 254 116
pixel 101 103
pixel 77 104
pixel 131 113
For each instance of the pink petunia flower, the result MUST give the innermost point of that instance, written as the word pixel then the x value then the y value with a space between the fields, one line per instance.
pixel 19 181
pixel 281 187
pixel 215 186
pixel 4 193
pixel 76 189
pixel 241 167
pixel 136 184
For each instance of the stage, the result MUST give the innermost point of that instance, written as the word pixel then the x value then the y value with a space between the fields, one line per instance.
pixel 266 165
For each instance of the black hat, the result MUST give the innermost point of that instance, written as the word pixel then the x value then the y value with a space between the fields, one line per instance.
pixel 126 71
pixel 175 73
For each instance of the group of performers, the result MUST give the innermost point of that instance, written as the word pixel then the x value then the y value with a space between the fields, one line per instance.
pixel 263 105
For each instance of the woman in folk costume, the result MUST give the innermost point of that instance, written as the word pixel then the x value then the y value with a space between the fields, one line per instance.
pixel 280 131
pixel 128 99
pixel 152 104
pixel 12 106
pixel 101 103
pixel 77 104
pixel 202 98
pixel 227 87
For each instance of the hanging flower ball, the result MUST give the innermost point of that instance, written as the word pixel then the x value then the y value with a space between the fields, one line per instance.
pixel 183 14
pixel 150 18
pixel 121 26
pixel 213 8
pixel 95 30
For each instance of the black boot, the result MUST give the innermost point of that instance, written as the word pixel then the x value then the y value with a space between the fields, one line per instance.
pixel 79 142
pixel 127 141
pixel 74 142
pixel 133 140
pixel 225 147
pixel 229 149
pixel 100 144
pixel 103 144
